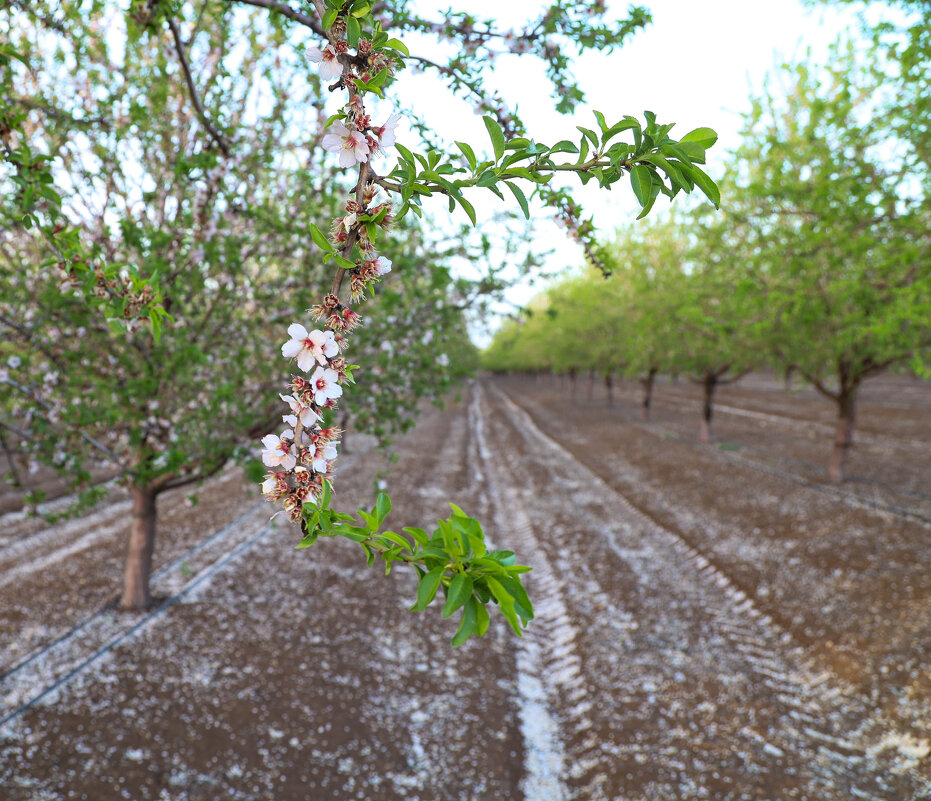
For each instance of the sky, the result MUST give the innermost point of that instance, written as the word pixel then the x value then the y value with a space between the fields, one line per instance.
pixel 697 65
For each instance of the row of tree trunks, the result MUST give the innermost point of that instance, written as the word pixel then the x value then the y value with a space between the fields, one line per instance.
pixel 845 399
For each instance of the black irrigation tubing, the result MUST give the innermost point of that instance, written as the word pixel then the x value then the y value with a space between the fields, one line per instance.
pixel 167 568
pixel 115 641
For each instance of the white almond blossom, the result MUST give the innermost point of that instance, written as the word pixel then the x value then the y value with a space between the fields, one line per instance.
pixel 309 347
pixel 305 414
pixel 278 450
pixel 351 145
pixel 330 66
pixel 323 455
pixel 324 385
pixel 382 266
pixel 386 133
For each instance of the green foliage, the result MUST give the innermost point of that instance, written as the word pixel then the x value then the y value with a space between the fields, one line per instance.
pixel 453 558
pixel 656 163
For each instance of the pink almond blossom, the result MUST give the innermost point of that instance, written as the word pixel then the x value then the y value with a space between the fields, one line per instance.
pixel 309 347
pixel 330 66
pixel 350 145
pixel 324 385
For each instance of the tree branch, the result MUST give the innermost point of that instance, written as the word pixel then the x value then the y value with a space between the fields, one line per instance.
pixel 286 11
pixel 198 106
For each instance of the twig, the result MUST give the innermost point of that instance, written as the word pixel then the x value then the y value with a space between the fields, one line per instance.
pixel 198 106
pixel 286 11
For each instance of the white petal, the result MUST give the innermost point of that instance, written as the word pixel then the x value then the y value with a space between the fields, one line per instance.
pixel 315 54
pixel 270 441
pixel 306 360
pixel 291 348
pixel 297 331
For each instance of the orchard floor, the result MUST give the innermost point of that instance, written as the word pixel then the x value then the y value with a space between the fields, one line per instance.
pixel 714 622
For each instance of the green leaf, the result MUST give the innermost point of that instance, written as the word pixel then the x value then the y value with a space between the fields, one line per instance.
pixel 397 44
pixel 482 619
pixel 353 31
pixel 405 153
pixel 382 507
pixel 329 18
pixel 704 183
pixel 601 122
pixel 459 592
pixel 468 153
pixel 704 137
pixel 344 263
pixel 426 589
pixel 397 539
pixel 564 146
pixel 419 535
pixel 589 134
pixel 468 623
pixel 641 182
pixel 468 207
pixel 322 242
pixel 496 134
pixel 521 198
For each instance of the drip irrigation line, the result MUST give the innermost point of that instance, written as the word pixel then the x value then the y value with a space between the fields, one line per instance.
pixel 126 634
pixel 167 568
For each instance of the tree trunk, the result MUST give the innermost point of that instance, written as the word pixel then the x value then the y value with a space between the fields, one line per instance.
pixel 709 383
pixel 590 386
pixel 846 420
pixel 136 594
pixel 572 374
pixel 647 383
pixel 609 386
pixel 788 377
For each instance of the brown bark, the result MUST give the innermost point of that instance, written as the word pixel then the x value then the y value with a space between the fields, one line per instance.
pixel 590 385
pixel 572 384
pixel 136 593
pixel 609 386
pixel 647 384
pixel 843 439
pixel 709 384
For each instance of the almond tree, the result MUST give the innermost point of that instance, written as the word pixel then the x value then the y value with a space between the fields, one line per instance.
pixel 357 57
pixel 832 215
pixel 220 239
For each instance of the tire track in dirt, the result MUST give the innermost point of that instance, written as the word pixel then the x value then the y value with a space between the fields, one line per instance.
pixel 546 660
pixel 808 705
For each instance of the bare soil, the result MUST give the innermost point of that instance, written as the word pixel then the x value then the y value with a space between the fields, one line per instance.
pixel 714 621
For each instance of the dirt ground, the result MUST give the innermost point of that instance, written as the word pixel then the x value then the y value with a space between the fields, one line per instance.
pixel 713 621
